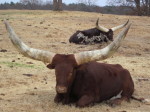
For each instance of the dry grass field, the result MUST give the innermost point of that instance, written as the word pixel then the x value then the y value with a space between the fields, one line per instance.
pixel 28 86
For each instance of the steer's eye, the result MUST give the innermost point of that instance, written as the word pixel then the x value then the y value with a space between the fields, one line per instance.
pixel 70 76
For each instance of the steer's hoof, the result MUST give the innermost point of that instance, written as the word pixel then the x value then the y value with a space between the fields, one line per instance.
pixel 114 103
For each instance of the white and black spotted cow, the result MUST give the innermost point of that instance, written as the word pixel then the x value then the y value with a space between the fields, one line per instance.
pixel 98 34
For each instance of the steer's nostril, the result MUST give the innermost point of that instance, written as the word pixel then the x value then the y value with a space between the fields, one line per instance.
pixel 61 89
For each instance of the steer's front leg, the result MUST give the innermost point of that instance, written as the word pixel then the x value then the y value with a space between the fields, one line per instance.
pixel 62 98
pixel 85 101
pixel 58 98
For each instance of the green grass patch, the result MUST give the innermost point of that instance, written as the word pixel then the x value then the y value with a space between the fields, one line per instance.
pixel 14 64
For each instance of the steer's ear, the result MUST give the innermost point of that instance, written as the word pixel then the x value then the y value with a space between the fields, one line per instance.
pixel 50 66
pixel 78 31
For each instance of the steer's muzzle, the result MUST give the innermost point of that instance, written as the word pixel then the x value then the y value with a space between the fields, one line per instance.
pixel 61 89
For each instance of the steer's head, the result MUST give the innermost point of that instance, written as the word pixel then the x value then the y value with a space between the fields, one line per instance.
pixel 65 65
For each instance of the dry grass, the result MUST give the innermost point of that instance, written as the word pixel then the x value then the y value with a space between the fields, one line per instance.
pixel 49 30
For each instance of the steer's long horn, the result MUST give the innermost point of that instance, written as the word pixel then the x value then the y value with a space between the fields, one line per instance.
pixel 101 28
pixel 96 55
pixel 120 26
pixel 36 54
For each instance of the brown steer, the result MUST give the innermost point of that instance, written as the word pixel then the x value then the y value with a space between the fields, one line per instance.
pixel 79 78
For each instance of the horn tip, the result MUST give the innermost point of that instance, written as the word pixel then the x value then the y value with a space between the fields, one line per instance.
pixel 97 22
pixel 4 20
pixel 6 23
pixel 129 25
pixel 127 22
pixel 127 28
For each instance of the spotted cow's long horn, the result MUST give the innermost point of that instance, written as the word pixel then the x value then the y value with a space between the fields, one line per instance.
pixel 120 26
pixel 32 53
pixel 101 28
pixel 96 55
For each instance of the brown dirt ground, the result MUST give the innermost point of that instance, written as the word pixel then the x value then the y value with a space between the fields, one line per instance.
pixel 50 30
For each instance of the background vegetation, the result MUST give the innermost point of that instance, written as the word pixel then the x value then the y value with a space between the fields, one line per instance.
pixel 121 7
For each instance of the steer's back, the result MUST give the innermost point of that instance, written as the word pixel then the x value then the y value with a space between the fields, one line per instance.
pixel 101 80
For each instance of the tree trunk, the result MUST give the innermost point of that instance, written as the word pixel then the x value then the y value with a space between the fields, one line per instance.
pixel 60 5
pixel 148 7
pixel 138 7
pixel 57 5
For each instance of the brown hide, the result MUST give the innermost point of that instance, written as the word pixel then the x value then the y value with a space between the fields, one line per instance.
pixel 89 83
pixel 102 81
